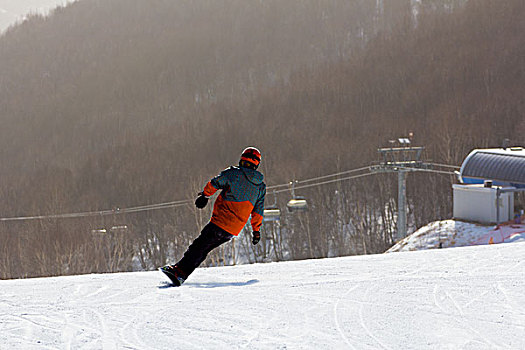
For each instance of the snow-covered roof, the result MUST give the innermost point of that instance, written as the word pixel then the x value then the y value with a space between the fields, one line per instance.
pixel 498 164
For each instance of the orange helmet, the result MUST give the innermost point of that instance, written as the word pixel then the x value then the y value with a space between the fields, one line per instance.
pixel 252 155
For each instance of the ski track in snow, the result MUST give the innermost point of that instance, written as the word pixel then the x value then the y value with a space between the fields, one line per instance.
pixel 461 298
pixel 336 317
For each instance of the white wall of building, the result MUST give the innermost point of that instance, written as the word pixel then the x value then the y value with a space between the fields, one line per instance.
pixel 478 203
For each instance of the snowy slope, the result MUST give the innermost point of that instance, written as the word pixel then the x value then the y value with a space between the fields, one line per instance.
pixel 464 298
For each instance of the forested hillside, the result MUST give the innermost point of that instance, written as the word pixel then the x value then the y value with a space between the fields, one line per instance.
pixel 121 103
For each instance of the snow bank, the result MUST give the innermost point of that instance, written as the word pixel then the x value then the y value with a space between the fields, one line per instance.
pixel 452 233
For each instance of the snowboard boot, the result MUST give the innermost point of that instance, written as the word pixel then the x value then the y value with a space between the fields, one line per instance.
pixel 174 273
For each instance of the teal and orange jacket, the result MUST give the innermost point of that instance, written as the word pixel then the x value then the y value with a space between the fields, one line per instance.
pixel 242 195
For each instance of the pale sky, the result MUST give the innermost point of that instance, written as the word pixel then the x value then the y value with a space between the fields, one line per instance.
pixel 12 11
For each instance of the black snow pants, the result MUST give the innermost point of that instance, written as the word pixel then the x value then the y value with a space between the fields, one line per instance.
pixel 210 238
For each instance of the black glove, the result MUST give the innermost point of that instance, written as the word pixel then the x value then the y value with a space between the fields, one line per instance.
pixel 256 237
pixel 201 201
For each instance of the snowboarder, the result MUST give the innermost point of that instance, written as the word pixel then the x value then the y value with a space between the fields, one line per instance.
pixel 242 194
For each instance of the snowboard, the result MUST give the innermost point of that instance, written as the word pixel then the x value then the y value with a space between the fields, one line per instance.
pixel 175 280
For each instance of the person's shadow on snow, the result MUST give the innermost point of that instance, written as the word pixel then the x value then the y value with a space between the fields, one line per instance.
pixel 212 284
pixel 220 284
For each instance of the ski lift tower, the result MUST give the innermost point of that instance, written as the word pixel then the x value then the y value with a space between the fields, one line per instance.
pixel 401 158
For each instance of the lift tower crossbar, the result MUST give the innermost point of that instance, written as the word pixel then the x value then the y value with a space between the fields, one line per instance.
pixel 401 160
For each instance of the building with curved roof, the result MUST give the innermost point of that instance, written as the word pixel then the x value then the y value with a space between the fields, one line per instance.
pixel 505 167
pixel 489 178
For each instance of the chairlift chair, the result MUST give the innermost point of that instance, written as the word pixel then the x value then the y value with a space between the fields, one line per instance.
pixel 99 231
pixel 119 229
pixel 272 213
pixel 297 204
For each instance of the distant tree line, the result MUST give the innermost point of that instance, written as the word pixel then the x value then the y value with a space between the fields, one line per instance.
pixel 126 102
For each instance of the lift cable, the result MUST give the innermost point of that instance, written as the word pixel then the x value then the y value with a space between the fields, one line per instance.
pixel 319 178
pixel 333 175
pixel 179 203
pixel 446 165
pixel 99 213
pixel 427 170
pixel 326 182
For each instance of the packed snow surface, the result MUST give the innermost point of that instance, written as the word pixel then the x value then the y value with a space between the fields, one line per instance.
pixel 460 298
